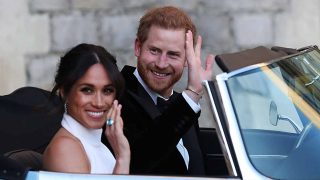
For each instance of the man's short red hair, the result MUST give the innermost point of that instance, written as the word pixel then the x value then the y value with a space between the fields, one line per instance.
pixel 167 17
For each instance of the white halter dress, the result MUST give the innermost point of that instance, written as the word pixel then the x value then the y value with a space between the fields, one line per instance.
pixel 100 157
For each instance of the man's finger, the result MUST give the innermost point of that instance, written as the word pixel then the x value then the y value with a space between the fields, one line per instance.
pixel 198 47
pixel 190 37
pixel 189 46
pixel 209 62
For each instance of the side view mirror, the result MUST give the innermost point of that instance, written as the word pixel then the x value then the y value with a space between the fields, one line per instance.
pixel 274 117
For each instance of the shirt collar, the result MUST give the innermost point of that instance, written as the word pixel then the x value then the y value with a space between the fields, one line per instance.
pixel 152 94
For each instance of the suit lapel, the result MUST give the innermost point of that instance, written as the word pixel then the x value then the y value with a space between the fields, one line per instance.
pixel 148 106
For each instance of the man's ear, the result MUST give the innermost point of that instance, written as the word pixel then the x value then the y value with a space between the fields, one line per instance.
pixel 137 47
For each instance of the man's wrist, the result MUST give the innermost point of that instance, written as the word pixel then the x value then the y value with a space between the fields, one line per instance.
pixel 192 96
pixel 200 93
pixel 192 100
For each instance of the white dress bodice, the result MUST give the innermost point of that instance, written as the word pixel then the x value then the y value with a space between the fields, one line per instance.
pixel 100 157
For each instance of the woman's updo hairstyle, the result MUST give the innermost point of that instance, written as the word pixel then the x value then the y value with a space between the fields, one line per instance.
pixel 75 63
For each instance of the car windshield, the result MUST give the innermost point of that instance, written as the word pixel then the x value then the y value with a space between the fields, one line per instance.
pixel 277 106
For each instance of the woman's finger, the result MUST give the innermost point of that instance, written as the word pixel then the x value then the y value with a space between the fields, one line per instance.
pixel 118 122
pixel 113 114
pixel 119 115
pixel 109 112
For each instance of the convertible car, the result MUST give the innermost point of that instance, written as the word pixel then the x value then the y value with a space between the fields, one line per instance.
pixel 264 105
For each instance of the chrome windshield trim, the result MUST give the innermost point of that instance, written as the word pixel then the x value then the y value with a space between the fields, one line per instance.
pixel 246 168
pixel 245 69
pixel 220 130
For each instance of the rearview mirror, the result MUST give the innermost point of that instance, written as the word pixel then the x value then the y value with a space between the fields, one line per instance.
pixel 274 117
pixel 273 113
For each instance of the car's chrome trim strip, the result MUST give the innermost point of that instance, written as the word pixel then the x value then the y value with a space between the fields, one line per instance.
pixel 46 175
pixel 268 156
pixel 220 129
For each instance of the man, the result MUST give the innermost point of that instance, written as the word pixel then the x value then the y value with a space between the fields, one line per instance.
pixel 158 138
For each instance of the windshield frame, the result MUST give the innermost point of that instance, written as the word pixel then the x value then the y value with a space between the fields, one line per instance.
pixel 246 167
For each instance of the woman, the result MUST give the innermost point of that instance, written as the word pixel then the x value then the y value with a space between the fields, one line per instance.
pixel 89 82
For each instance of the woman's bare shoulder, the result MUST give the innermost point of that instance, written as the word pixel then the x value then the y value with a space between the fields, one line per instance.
pixel 65 153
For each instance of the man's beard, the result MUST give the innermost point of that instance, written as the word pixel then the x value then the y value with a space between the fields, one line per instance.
pixel 159 87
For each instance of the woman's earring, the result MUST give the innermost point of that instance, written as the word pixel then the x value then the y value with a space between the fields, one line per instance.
pixel 66 107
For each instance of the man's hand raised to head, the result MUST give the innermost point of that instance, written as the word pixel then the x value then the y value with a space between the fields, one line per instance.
pixel 195 71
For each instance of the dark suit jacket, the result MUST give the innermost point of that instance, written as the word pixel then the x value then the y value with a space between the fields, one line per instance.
pixel 153 136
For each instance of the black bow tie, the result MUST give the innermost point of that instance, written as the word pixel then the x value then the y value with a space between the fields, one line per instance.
pixel 162 104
